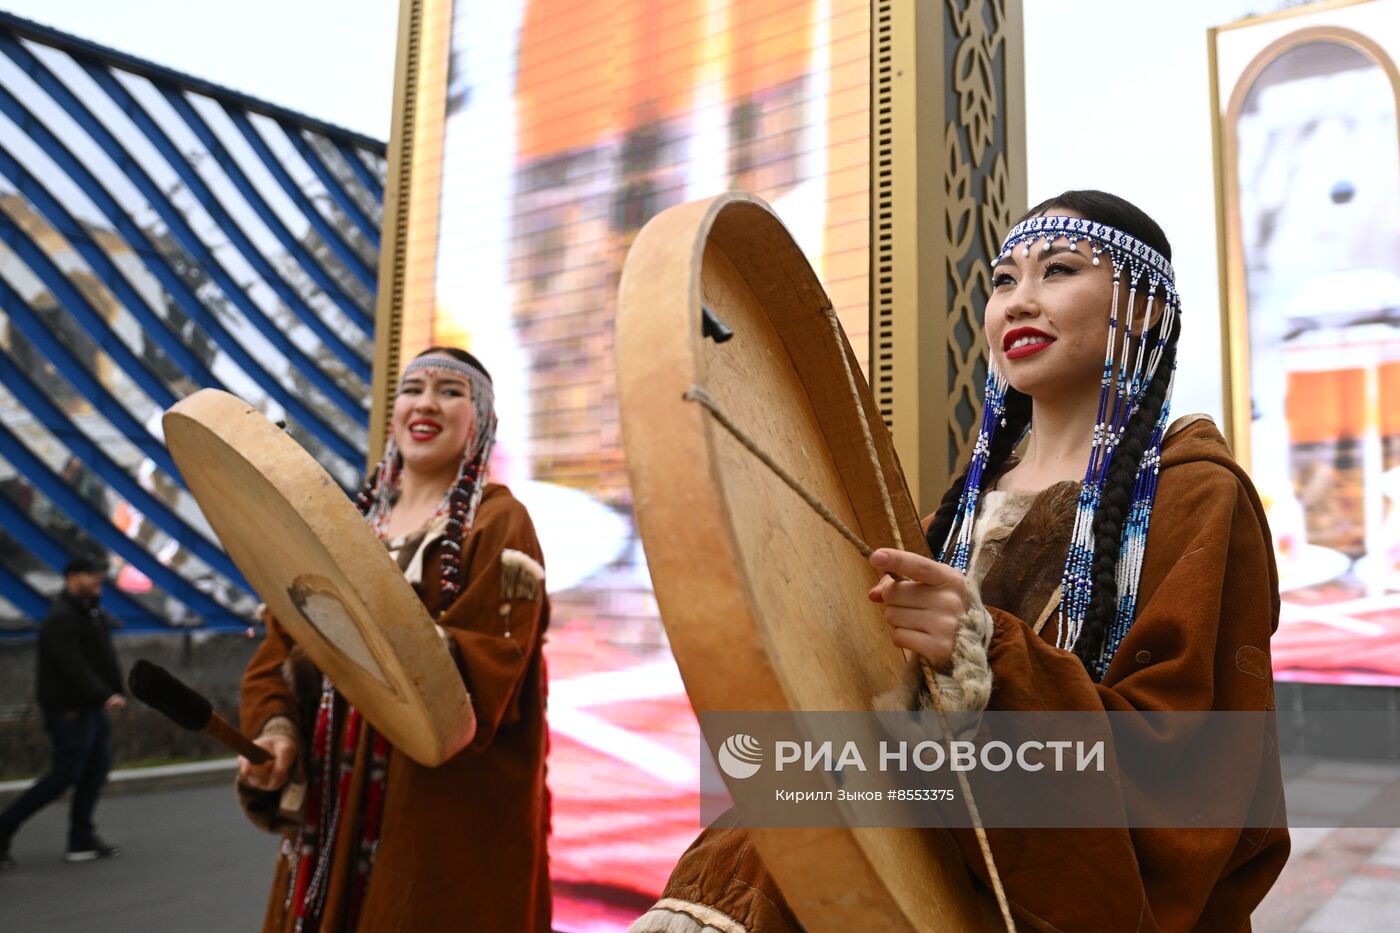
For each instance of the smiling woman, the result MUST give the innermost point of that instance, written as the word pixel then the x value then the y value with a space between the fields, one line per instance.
pixel 1088 383
pixel 382 842
pixel 1047 289
pixel 443 409
pixel 1048 594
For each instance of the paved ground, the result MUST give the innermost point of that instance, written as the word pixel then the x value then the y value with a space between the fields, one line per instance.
pixel 190 862
pixel 1336 881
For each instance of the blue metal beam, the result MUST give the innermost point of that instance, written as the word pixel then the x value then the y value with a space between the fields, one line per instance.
pixel 152 324
pixel 70 301
pixel 26 321
pixel 82 48
pixel 357 165
pixel 56 421
pixel 229 163
pixel 26 599
pixel 106 534
pixel 329 235
pixel 159 266
pixel 178 161
pixel 38 542
pixel 179 227
pixel 338 194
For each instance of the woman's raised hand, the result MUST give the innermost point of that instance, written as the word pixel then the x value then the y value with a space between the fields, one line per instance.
pixel 923 609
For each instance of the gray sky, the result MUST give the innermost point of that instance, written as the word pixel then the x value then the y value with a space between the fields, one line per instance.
pixel 330 59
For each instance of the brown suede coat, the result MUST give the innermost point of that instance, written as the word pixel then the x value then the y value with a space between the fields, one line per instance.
pixel 1208 604
pixel 462 846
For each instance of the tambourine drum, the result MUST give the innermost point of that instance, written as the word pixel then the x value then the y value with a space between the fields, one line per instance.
pixel 323 573
pixel 764 602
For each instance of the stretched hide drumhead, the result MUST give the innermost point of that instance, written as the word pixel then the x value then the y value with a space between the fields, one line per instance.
pixel 323 573
pixel 763 601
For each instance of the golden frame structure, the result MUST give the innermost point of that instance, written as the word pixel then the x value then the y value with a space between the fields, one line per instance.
pixel 1234 304
pixel 412 196
pixel 947 163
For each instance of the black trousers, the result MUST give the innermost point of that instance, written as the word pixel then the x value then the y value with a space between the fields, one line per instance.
pixel 82 756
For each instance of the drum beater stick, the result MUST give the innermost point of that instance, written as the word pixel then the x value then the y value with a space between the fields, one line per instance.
pixel 165 693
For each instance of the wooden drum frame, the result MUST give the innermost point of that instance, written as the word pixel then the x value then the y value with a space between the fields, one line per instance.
pixel 763 600
pixel 323 573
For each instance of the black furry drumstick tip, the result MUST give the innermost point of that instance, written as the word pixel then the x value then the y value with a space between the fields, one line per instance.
pixel 163 692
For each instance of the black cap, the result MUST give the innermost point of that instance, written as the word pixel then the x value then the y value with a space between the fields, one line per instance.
pixel 85 564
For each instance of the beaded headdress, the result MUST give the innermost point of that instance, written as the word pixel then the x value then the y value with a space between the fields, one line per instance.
pixel 460 502
pixel 1143 269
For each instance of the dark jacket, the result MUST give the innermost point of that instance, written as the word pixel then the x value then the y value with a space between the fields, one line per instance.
pixel 77 666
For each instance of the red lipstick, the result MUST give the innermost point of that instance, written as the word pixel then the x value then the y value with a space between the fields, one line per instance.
pixel 428 423
pixel 1016 333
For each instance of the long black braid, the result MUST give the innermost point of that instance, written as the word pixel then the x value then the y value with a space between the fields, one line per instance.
pixel 458 515
pixel 1114 505
pixel 364 497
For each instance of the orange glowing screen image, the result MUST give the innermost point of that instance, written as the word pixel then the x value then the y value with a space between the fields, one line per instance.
pixel 564 127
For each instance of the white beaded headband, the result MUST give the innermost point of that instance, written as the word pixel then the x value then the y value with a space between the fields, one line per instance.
pixel 452 364
pixel 1124 248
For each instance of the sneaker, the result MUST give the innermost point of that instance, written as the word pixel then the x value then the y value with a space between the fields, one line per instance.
pixel 94 850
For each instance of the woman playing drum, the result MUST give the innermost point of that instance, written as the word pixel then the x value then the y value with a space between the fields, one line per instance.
pixel 384 842
pixel 1049 594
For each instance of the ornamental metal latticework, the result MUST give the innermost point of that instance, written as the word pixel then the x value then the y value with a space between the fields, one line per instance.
pixel 978 206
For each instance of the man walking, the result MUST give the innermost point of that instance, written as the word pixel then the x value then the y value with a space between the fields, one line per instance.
pixel 78 683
